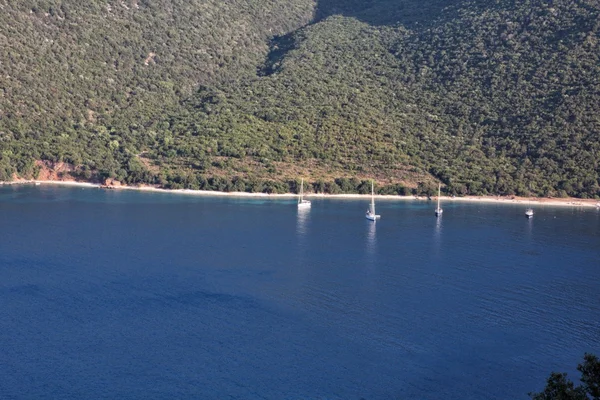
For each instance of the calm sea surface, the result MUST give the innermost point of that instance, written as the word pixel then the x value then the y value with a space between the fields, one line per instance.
pixel 110 294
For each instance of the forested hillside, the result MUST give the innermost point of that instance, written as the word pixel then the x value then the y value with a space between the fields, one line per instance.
pixel 489 97
pixel 88 82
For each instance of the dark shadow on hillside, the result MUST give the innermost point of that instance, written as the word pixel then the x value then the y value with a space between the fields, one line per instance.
pixel 408 13
pixel 411 14
pixel 279 47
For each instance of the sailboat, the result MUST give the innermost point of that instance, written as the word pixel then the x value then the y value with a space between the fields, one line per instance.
pixel 529 211
pixel 439 210
pixel 302 203
pixel 371 210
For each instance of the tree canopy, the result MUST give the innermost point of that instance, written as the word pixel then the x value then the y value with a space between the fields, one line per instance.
pixel 559 387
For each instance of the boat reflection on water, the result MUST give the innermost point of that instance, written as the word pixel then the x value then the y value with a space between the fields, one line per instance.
pixel 437 233
pixel 302 221
pixel 529 227
pixel 372 237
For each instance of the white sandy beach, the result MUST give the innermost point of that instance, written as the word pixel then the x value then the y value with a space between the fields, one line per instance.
pixel 564 202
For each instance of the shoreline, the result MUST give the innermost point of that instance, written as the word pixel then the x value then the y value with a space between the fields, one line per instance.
pixel 563 202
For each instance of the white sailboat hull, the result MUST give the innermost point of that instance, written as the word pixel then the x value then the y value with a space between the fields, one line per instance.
pixel 529 213
pixel 372 217
pixel 438 212
pixel 304 204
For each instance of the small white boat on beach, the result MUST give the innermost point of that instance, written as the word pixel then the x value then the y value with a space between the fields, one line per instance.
pixel 439 210
pixel 302 203
pixel 371 215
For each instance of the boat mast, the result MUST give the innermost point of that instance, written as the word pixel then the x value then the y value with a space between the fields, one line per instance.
pixel 301 191
pixel 372 198
pixel 439 189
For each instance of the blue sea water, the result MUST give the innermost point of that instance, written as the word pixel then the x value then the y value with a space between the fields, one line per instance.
pixel 119 294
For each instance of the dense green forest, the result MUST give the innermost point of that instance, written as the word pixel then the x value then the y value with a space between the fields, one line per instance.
pixel 489 97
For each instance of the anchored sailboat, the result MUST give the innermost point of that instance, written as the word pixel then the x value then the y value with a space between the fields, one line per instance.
pixel 529 211
pixel 439 210
pixel 371 210
pixel 302 203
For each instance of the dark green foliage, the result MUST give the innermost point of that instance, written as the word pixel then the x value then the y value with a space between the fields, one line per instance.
pixel 590 375
pixel 559 387
pixel 489 97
